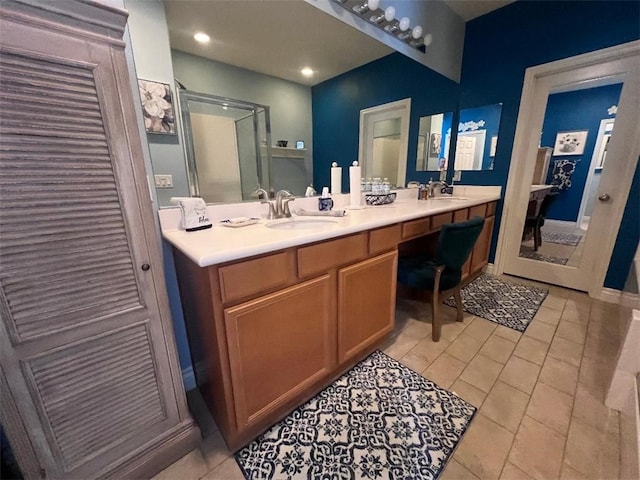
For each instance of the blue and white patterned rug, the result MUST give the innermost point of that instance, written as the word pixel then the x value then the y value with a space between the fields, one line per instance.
pixel 562 238
pixel 380 420
pixel 543 258
pixel 509 304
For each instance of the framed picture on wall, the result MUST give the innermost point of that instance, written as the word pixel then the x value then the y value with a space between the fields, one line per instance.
pixel 434 145
pixel 157 107
pixel 570 143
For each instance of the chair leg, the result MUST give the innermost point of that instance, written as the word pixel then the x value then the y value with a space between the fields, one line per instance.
pixel 537 238
pixel 435 318
pixel 458 299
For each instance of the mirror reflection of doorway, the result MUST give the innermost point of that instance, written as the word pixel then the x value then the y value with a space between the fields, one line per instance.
pixel 605 68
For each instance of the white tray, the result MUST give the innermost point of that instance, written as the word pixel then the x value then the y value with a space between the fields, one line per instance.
pixel 229 223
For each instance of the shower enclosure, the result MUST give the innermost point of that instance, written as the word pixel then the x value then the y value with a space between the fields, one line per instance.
pixel 227 145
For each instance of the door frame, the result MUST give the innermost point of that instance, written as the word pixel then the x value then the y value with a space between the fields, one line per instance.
pixel 402 108
pixel 539 81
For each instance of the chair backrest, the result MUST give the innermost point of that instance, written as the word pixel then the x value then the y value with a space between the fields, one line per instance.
pixel 456 242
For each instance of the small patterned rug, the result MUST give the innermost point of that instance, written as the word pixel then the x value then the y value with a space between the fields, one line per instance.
pixel 509 304
pixel 380 420
pixel 544 258
pixel 561 238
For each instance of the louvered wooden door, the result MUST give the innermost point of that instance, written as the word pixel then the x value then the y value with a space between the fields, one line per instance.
pixel 82 346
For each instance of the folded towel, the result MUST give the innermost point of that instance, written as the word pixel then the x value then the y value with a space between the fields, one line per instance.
pixel 325 213
pixel 194 213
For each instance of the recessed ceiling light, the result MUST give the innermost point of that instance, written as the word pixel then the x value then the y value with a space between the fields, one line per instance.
pixel 201 37
pixel 307 72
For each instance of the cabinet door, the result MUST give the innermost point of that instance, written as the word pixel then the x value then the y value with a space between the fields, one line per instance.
pixel 366 303
pixel 480 254
pixel 279 346
pixel 90 368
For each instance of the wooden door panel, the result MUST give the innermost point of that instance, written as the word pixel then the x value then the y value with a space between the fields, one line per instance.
pixel 480 254
pixel 366 303
pixel 279 345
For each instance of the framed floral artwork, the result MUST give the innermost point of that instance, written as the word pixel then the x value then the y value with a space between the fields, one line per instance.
pixel 157 107
pixel 570 143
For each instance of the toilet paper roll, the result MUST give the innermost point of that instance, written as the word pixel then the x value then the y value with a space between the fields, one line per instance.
pixel 354 186
pixel 336 180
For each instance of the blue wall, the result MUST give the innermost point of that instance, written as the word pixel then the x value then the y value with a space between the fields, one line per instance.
pixel 337 103
pixel 499 47
pixel 574 111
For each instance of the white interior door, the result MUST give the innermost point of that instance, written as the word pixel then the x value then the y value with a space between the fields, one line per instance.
pixel 465 152
pixel 617 65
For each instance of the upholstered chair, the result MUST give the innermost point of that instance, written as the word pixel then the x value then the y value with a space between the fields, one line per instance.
pixel 440 276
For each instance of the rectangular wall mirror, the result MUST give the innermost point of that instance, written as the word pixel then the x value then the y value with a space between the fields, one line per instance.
pixel 477 137
pixel 434 136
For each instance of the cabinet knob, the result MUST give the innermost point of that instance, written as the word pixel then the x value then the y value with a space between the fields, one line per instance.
pixel 145 266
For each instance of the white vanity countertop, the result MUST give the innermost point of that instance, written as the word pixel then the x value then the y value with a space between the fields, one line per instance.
pixel 222 244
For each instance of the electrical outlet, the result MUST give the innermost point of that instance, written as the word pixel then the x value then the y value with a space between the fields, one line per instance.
pixel 163 181
pixel 457 175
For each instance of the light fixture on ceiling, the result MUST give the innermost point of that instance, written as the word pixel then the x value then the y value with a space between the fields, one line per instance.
pixel 385 19
pixel 307 72
pixel 201 37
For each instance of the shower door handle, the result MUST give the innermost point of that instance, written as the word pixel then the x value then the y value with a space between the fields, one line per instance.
pixel 605 197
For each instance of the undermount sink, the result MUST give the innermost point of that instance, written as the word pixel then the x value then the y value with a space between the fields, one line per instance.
pixel 296 224
pixel 448 198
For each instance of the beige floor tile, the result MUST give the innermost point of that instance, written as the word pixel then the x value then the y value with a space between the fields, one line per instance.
pixel 400 345
pixel 229 470
pixel 537 450
pixel 606 328
pixel 480 328
pixel 588 409
pixel 558 291
pixel 192 465
pixel 548 315
pixel 451 330
pixel 531 349
pixel 214 450
pixel 484 448
pixel 481 372
pixel 566 351
pixel 520 374
pixel 468 392
pixel 464 347
pixel 511 472
pixel 595 377
pixel 414 362
pixel 560 375
pixel 497 348
pixel 554 302
pixel 417 329
pixel 505 405
pixel 576 313
pixel 428 349
pixel 540 331
pixel 551 407
pixel 444 370
pixel 600 348
pixel 569 473
pixel 456 471
pixel 591 452
pixel 508 333
pixel 571 331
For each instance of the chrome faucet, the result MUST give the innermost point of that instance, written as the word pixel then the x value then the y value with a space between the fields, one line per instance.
pixel 264 198
pixel 283 197
pixel 431 188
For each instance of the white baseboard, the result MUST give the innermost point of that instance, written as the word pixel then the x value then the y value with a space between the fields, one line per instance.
pixel 188 378
pixel 626 299
pixel 489 269
pixel 560 224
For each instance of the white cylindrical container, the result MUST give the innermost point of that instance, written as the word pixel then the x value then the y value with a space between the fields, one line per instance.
pixel 336 179
pixel 355 173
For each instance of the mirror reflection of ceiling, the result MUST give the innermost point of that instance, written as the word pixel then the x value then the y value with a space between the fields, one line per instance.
pixel 257 35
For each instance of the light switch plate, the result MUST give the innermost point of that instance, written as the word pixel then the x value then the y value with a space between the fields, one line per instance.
pixel 163 181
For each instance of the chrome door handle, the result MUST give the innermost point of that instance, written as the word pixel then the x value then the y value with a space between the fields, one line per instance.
pixel 605 197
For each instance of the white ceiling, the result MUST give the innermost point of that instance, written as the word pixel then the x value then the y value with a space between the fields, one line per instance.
pixel 280 37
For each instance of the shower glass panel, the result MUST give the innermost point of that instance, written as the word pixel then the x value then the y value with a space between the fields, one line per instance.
pixel 222 142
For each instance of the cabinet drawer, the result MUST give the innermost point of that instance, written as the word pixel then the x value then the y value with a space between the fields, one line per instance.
pixel 326 255
pixel 253 276
pixel 491 208
pixel 478 211
pixel 384 239
pixel 461 215
pixel 415 228
pixel 438 220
